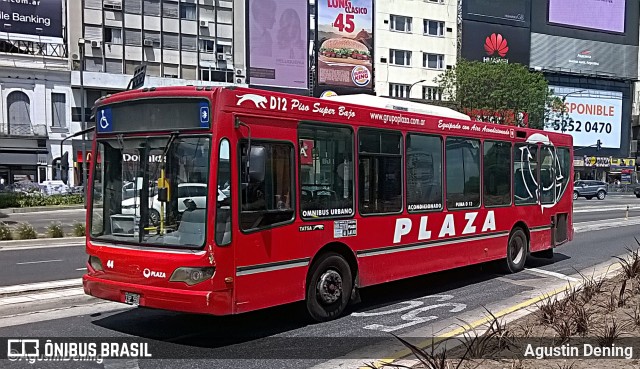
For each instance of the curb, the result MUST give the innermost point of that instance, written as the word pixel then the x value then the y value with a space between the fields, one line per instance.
pixel 40 209
pixel 43 242
pixel 508 314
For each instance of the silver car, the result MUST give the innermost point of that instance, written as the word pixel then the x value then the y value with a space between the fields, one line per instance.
pixel 589 189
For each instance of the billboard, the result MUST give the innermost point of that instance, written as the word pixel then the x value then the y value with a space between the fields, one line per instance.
pixel 508 12
pixel 38 19
pixel 601 15
pixel 591 115
pixel 584 56
pixel 278 39
pixel 495 43
pixel 345 43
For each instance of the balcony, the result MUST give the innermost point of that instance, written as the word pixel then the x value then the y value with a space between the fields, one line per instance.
pixel 23 130
pixel 33 48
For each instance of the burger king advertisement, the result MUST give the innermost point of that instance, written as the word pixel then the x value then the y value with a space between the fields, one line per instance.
pixel 345 43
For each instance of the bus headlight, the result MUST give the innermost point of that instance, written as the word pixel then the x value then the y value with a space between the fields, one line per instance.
pixel 95 263
pixel 192 276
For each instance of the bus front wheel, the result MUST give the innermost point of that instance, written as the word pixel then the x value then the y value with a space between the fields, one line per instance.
pixel 516 251
pixel 329 287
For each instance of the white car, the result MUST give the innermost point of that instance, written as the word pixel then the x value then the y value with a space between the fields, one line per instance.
pixel 193 191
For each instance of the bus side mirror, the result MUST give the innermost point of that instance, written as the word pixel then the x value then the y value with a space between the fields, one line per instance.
pixel 163 194
pixel 257 164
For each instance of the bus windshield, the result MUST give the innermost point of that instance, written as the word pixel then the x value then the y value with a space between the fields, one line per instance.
pixel 151 190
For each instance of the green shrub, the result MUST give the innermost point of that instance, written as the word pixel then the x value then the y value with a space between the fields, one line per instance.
pixel 5 233
pixel 55 230
pixel 21 200
pixel 79 230
pixel 25 231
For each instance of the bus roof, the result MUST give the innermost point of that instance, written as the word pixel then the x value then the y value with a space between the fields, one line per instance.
pixel 395 104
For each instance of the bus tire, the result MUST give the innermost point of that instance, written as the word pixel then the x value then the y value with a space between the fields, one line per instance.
pixel 329 287
pixel 517 250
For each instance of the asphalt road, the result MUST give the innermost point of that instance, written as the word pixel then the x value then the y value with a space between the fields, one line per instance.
pixel 401 308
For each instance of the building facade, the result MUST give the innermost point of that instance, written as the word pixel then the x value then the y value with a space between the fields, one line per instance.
pixel 35 92
pixel 186 42
pixel 415 41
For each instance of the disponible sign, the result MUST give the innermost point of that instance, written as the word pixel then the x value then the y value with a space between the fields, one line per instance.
pixel 278 43
pixel 601 15
pixel 42 18
pixel 345 39
pixel 591 115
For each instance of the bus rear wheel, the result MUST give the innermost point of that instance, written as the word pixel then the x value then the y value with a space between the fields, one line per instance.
pixel 329 287
pixel 516 251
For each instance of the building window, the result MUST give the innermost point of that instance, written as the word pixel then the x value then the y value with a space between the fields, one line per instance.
pixel 170 9
pixel 207 46
pixel 432 93
pixel 400 57
pixel 133 6
pixel 187 11
pixel 19 110
pixel 133 37
pixel 380 171
pixel 400 23
pixel 433 28
pixel 398 90
pixel 171 41
pixel 113 36
pixel 152 37
pixel 152 7
pixel 189 43
pixel 433 61
pixel 58 110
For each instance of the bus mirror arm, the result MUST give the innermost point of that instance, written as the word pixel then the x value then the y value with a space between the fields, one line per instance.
pixel 237 125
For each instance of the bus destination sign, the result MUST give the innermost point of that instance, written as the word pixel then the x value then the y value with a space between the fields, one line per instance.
pixel 154 115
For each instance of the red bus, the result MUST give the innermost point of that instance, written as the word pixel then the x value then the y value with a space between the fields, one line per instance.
pixel 228 200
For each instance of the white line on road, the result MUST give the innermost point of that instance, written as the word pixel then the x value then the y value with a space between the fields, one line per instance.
pixel 552 274
pixel 39 262
pixel 33 247
pixel 81 269
pixel 31 287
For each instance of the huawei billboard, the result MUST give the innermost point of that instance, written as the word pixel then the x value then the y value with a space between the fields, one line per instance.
pixel 495 43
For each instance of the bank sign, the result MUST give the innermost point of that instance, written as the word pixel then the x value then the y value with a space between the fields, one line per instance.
pixel 42 18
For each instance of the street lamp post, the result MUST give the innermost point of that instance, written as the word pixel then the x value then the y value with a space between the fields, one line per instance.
pixel 413 84
pixel 81 44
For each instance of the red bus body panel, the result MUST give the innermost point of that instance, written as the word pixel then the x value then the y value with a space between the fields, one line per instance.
pixel 269 267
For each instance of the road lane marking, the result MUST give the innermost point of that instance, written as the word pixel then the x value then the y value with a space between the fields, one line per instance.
pixel 81 269
pixel 552 274
pixel 41 246
pixel 32 287
pixel 39 262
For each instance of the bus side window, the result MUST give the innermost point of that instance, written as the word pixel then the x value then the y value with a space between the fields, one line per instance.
pixel 223 208
pixel 547 175
pixel 497 173
pixel 267 187
pixel 525 174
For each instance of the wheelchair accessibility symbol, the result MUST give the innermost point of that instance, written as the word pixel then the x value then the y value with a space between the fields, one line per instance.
pixel 104 120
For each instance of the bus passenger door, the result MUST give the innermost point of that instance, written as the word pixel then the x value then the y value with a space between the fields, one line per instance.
pixel 270 263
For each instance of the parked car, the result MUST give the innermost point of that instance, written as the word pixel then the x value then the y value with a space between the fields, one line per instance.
pixel 589 189
pixel 194 191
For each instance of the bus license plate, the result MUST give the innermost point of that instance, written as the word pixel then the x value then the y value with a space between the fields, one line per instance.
pixel 131 298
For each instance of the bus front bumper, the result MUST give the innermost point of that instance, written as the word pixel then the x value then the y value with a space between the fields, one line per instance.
pixel 172 299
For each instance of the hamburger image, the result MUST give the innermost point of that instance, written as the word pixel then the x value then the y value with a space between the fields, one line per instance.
pixel 339 49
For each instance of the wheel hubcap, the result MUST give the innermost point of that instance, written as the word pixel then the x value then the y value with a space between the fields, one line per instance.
pixel 330 287
pixel 517 250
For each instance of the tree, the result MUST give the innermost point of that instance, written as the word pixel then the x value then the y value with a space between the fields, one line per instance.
pixel 505 93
